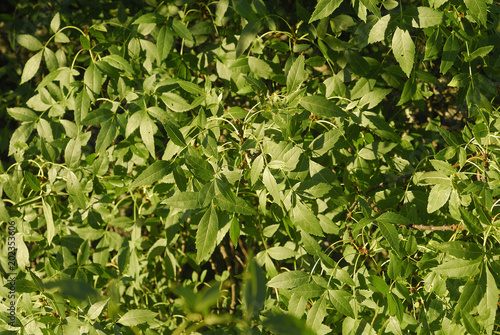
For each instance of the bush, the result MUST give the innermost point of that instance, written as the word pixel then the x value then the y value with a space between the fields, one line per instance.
pixel 248 167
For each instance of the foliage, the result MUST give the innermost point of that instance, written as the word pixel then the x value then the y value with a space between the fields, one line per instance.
pixel 257 167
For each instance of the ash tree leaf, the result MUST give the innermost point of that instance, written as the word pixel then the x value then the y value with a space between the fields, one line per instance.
pixel 478 10
pixel 259 67
pixel 296 75
pixel 403 49
pixel 254 289
pixel 340 300
pixel 377 33
pixel 280 253
pixel 317 313
pixel 75 190
pixel 480 52
pixel 271 185
pixel 55 23
pixel 472 294
pixel 119 62
pixel 73 152
pixel 182 31
pixel 153 173
pixel 206 235
pixel 450 53
pixel 106 136
pixel 175 102
pixel 255 171
pixel 174 134
pixel 319 105
pixel 93 79
pixel 29 42
pixel 164 42
pixel 31 67
pixel 429 17
pixel 184 200
pixel 376 150
pixel 438 197
pixel 289 279
pixel 459 268
pixel 32 181
pixel 147 130
pixel 51 230
pixel 390 234
pixel 325 142
pixel 248 36
pixel 371 5
pixel 20 135
pixel 236 205
pixel 306 220
pixel 200 168
pixel 96 309
pixel 324 8
pixel 394 218
pixel 85 42
pixel 471 222
pixel 22 114
pixel 136 317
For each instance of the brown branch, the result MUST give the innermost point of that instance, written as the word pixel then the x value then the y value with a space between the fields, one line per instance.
pixel 421 227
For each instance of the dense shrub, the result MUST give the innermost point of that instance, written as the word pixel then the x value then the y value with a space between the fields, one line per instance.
pixel 253 167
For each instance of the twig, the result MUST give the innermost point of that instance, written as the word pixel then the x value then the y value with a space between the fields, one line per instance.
pixel 421 227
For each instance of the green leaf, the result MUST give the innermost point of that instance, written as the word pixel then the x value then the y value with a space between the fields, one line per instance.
pixel 106 136
pixel 175 102
pixel 55 23
pixel 93 79
pixel 403 49
pixel 306 220
pixel 182 31
pixel 340 300
pixel 239 205
pixel 96 309
pixel 376 150
pixel 280 253
pixel 317 313
pixel 438 197
pixel 254 289
pixel 319 105
pixel 184 200
pixel 260 68
pixel 73 152
pixel 200 168
pixel 480 52
pixel 234 231
pixel 324 8
pixel 471 222
pixel 428 17
pixel 480 131
pixel 247 36
pixel 255 171
pixel 472 294
pixel 390 234
pixel 372 6
pixel 31 67
pixel 394 219
pixel 289 279
pixel 29 42
pixel 325 142
pixel 147 130
pixel 206 235
pixel 271 185
pixel 459 249
pixel 174 134
pixel 296 75
pixel 118 62
pixel 164 42
pixel 450 52
pixel 136 317
pixel 22 114
pixel 51 230
pixel 75 190
pixel 478 10
pixel 85 42
pixel 377 33
pixel 459 268
pixel 153 173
